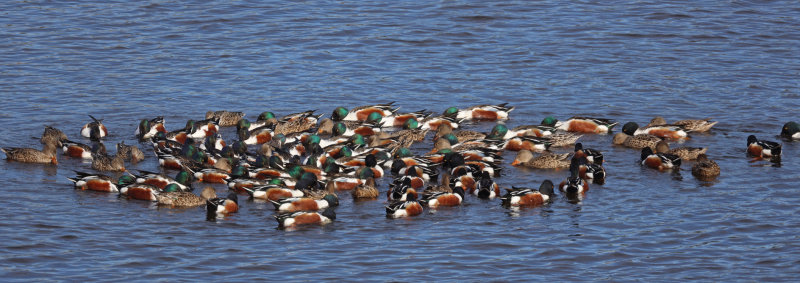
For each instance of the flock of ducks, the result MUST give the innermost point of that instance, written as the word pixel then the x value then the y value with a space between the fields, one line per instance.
pixel 301 163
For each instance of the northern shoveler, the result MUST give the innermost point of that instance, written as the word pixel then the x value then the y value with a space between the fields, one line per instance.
pixel 404 208
pixel 305 203
pixel 684 152
pixel 437 199
pixel 660 161
pixel 705 168
pixel 661 131
pixel 791 130
pixel 368 190
pixel 486 188
pixel 217 207
pixel 481 112
pixel 291 220
pixel 362 112
pixel 174 197
pixel 762 148
pixel 104 162
pixel 637 141
pixel 529 197
pixel 225 118
pixel 52 135
pixel 94 130
pixel 547 160
pixel 592 155
pixel 31 155
pixel 690 125
pixel 130 153
pixel 148 128
pixel 581 124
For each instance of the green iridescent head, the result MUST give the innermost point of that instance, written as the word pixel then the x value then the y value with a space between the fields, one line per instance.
pixel 242 124
pixel 339 113
pixel 630 128
pixel 364 173
pixel 374 118
pixel 549 121
pixel 790 129
pixel 239 147
pixel 261 161
pixel 190 126
pixel 345 151
pixel 239 171
pixel 275 162
pixel 266 115
pixel 339 129
pixel 277 181
pixel 295 171
pixel 450 138
pixel 451 111
pixel 358 140
pixel 313 139
pixel 126 179
pixel 445 150
pixel 382 155
pixel 498 132
pixel 184 178
pixel 411 124
pixel 172 188
pixel 403 152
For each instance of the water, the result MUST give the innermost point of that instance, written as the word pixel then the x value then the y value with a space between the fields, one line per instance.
pixel 734 61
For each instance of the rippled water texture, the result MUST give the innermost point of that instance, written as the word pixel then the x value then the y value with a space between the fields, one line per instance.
pixel 734 61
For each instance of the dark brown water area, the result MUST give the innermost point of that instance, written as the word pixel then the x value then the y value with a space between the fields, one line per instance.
pixel 737 62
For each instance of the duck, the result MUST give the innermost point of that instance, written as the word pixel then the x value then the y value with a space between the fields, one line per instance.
pixel 256 136
pixel 147 129
pixel 272 192
pixel 791 130
pixel 443 186
pixel 295 204
pixel 361 113
pixel 762 148
pixel 437 199
pixel 485 112
pixel 366 190
pixel 433 123
pixel 401 189
pixel 486 188
pixel 140 191
pixel 105 162
pixel 411 133
pixel 94 130
pixel 404 208
pixel 574 186
pixel 225 118
pixel 201 129
pixel 297 123
pixel 100 182
pixel 528 196
pixel 52 135
pixel 348 128
pixel 660 161
pixel 705 168
pixel 217 207
pixel 31 155
pixel 79 150
pixel 183 180
pixel 637 141
pixel 547 160
pixel 684 152
pixel 130 153
pixel 293 219
pixel 581 124
pixel 661 131
pixel 592 155
pixel 592 173
pixel 397 119
pixel 172 196
pixel 529 143
pixel 458 136
pixel 689 125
